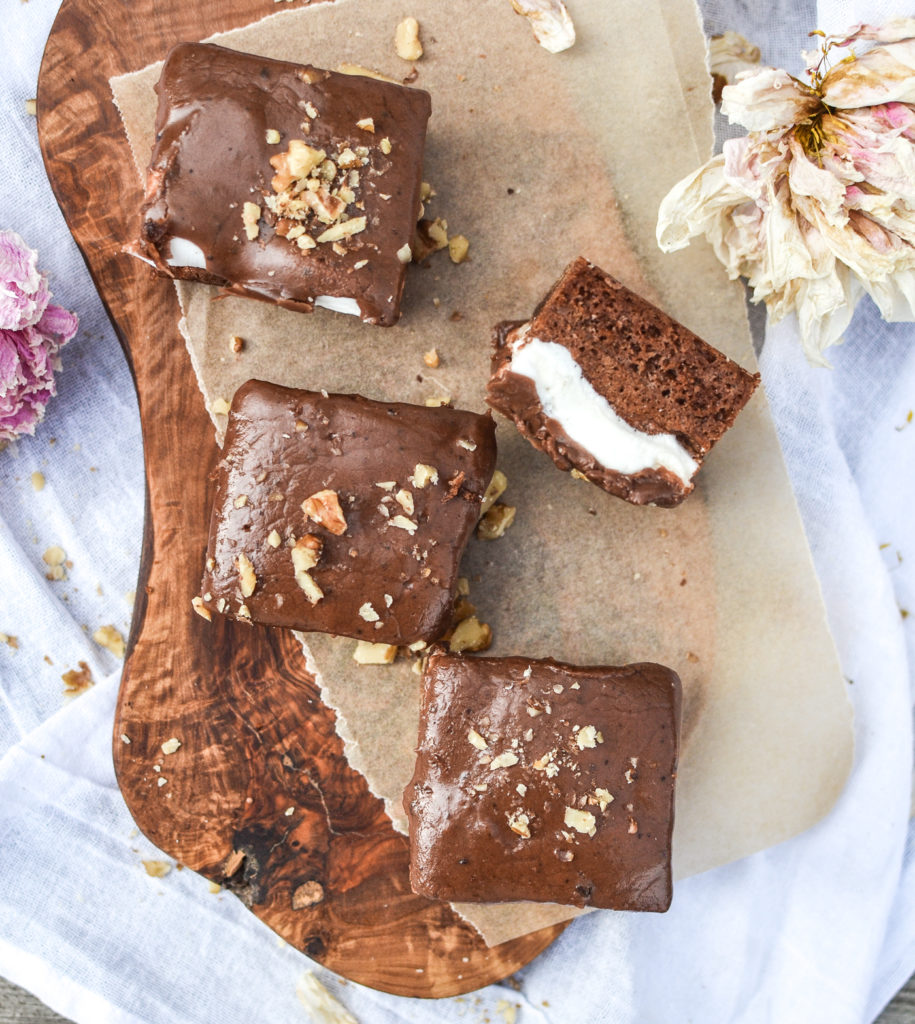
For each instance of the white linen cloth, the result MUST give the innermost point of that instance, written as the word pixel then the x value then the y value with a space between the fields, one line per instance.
pixel 820 928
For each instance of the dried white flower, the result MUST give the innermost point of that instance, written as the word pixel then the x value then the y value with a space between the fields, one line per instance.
pixel 817 204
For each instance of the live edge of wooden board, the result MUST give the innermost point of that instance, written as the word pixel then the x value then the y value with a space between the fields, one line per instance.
pixel 255 738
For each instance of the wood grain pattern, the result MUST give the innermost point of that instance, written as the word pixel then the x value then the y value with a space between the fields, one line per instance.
pixel 258 796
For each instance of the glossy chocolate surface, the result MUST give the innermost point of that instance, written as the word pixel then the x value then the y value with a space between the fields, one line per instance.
pixel 541 781
pixel 211 155
pixel 390 577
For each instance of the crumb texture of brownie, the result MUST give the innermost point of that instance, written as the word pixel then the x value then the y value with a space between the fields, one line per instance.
pixel 337 514
pixel 659 378
pixel 542 781
pixel 284 182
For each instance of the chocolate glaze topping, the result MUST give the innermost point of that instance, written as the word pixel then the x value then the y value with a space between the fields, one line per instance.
pixel 656 374
pixel 387 572
pixel 537 780
pixel 212 155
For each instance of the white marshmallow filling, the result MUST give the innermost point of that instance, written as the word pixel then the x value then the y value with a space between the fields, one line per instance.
pixel 587 418
pixel 184 253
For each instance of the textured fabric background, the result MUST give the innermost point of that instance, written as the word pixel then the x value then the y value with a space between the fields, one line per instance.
pixel 821 928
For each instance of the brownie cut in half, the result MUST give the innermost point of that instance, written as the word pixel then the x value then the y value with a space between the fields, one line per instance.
pixel 609 385
pixel 284 182
pixel 336 514
pixel 537 780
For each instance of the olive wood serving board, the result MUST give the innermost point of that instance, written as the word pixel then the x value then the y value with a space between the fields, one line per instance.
pixel 329 875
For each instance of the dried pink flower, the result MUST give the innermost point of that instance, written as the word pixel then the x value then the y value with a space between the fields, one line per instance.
pixel 31 333
pixel 816 206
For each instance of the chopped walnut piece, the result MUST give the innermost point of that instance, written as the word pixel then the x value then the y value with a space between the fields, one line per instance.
pixel 274 539
pixel 346 68
pixel 367 612
pixel 587 737
pixel 518 822
pixel 406 40
pixel 367 124
pixel 402 523
pixel 633 826
pixel 241 501
pixel 431 359
pixel 423 474
pixel 604 798
pixel 581 821
pixel 307 895
pixel 405 253
pixel 37 481
pixel 494 491
pixel 236 344
pixel 458 248
pixel 219 407
pixel 342 229
pixel 156 868
pixel 426 191
pixel 367 653
pixel 250 215
pixel 31 107
pixel 385 146
pixel 247 578
pixel 111 639
pixel 470 635
pixel 171 745
pixel 477 740
pixel 405 500
pixel 296 163
pixel 201 609
pixel 306 552
pixel 323 507
pixel 504 760
pixel 496 521
pixel 54 555
pixel 77 680
pixel 272 136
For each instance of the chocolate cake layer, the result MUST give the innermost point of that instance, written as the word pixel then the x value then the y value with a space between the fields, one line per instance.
pixel 537 780
pixel 284 182
pixel 666 385
pixel 337 514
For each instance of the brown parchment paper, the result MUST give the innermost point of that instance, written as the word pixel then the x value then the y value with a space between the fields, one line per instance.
pixel 538 158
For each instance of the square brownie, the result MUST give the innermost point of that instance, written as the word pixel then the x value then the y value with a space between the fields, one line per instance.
pixel 336 514
pixel 283 181
pixel 610 386
pixel 537 780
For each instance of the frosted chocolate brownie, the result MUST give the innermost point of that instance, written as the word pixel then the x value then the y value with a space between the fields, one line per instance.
pixel 607 384
pixel 284 182
pixel 537 780
pixel 337 514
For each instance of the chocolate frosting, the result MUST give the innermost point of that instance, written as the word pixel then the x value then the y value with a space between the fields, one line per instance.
pixel 284 446
pixel 211 156
pixel 507 746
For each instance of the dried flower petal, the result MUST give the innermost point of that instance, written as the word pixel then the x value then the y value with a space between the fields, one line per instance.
pixel 817 204
pixel 550 21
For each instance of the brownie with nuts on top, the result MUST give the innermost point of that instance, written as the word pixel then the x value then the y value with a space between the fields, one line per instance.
pixel 537 780
pixel 337 514
pixel 613 388
pixel 283 181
